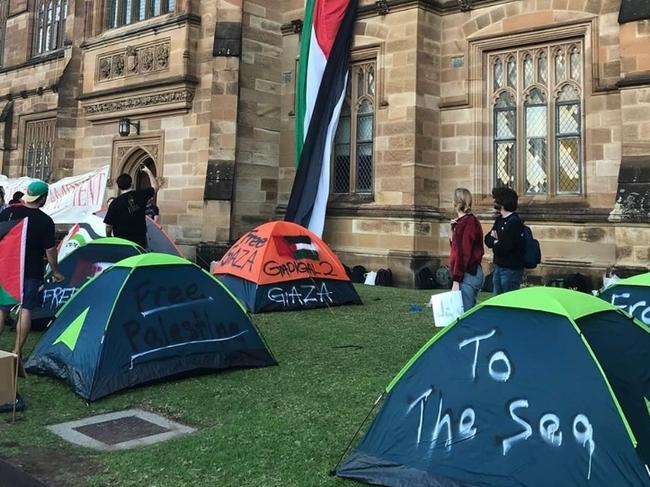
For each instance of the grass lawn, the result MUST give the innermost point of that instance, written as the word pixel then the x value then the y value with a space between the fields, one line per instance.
pixel 278 426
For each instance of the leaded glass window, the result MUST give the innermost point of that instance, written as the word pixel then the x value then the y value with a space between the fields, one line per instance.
pixel 537 118
pixel 124 12
pixel 536 124
pixel 505 138
pixel 353 154
pixel 39 145
pixel 4 11
pixel 49 31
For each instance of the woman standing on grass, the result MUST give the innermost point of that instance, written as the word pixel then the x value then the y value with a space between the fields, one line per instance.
pixel 466 249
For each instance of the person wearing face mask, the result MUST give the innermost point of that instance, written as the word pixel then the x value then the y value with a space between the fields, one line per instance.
pixel 466 249
pixel 507 242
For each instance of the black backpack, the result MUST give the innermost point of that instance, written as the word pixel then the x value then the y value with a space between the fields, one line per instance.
pixel 384 278
pixel 488 283
pixel 424 279
pixel 359 274
pixel 532 250
pixel 579 282
pixel 348 271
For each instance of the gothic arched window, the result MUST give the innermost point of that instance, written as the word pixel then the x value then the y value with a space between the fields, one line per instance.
pixel 353 160
pixel 49 30
pixel 536 95
pixel 124 12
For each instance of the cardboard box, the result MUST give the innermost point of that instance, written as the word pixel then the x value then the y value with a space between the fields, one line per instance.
pixel 8 363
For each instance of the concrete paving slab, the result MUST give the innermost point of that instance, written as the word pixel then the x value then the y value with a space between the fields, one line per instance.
pixel 121 430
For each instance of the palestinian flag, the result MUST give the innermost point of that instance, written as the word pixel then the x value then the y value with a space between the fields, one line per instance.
pixel 78 236
pixel 297 248
pixel 13 236
pixel 322 77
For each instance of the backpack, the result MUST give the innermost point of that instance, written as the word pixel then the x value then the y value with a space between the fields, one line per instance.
pixel 443 277
pixel 359 274
pixel 579 282
pixel 348 271
pixel 488 283
pixel 532 250
pixel 384 278
pixel 424 279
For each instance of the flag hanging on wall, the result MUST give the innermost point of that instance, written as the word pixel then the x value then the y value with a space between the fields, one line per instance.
pixel 13 236
pixel 321 84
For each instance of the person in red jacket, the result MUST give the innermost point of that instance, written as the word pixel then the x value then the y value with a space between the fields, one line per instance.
pixel 466 249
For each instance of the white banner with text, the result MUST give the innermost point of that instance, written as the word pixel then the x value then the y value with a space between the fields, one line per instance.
pixel 70 200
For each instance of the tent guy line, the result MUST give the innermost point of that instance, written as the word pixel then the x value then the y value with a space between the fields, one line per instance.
pixel 175 306
pixel 194 342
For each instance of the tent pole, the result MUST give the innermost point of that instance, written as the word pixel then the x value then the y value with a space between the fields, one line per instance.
pixel 332 472
pixel 13 417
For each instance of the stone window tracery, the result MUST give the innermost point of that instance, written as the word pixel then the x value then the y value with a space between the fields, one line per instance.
pixel 536 104
pixel 353 160
pixel 39 148
pixel 125 12
pixel 49 31
pixel 4 9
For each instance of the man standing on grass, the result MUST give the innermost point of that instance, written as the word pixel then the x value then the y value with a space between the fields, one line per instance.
pixel 507 241
pixel 40 243
pixel 125 217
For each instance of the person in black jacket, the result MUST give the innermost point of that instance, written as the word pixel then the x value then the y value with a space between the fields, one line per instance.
pixel 507 242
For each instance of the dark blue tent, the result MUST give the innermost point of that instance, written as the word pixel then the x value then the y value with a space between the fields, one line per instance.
pixel 147 318
pixel 632 295
pixel 538 387
pixel 78 267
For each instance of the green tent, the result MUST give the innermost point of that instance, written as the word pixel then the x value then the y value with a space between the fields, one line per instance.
pixel 537 387
pixel 147 318
pixel 632 295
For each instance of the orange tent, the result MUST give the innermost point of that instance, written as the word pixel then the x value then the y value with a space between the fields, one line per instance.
pixel 281 265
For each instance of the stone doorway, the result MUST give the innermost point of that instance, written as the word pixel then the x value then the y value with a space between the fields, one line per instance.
pixel 133 165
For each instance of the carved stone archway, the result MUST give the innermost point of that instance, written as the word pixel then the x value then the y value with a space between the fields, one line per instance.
pixel 129 153
pixel 133 163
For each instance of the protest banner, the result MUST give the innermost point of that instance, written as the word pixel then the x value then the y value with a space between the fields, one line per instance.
pixel 70 200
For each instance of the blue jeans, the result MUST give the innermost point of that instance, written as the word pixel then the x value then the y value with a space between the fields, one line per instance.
pixel 470 286
pixel 505 279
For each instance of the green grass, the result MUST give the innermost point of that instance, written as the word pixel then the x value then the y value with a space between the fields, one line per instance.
pixel 277 426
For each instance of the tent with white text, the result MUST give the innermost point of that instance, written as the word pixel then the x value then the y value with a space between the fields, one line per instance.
pixel 281 266
pixel 78 267
pixel 537 387
pixel 632 295
pixel 147 318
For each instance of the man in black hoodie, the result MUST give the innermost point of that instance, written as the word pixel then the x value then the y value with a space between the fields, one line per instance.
pixel 507 242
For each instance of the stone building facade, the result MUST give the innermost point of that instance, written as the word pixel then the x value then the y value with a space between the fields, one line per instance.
pixel 551 97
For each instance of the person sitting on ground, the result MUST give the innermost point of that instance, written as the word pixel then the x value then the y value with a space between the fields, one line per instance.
pixel 507 241
pixel 125 217
pixel 16 199
pixel 40 243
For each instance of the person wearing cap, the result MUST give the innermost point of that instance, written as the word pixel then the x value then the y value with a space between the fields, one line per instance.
pixel 125 217
pixel 40 243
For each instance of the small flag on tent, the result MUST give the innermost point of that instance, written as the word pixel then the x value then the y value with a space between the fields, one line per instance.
pixel 322 78
pixel 13 236
pixel 296 248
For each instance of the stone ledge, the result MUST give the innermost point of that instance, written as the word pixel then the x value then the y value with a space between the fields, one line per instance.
pixel 134 30
pixel 172 95
pixel 634 81
pixel 35 61
pixel 440 7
